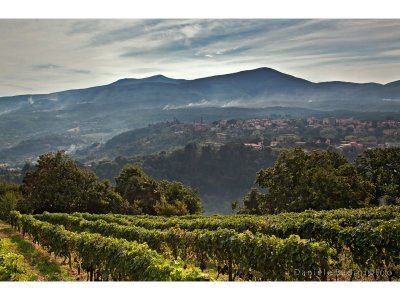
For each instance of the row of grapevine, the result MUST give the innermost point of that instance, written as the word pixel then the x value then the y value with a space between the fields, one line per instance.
pixel 372 244
pixel 248 255
pixel 321 226
pixel 104 258
pixel 261 224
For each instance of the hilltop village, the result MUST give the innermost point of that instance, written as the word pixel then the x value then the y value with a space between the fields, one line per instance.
pixel 344 134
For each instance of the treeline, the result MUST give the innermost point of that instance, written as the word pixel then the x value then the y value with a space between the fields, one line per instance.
pixel 299 180
pixel 57 184
pixel 295 179
pixel 220 175
pixel 324 180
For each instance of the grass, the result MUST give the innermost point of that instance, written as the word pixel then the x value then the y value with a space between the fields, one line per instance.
pixel 39 263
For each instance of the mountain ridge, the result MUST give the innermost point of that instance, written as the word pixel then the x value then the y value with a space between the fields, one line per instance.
pixel 157 77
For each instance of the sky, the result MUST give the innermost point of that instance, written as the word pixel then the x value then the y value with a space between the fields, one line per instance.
pixel 43 56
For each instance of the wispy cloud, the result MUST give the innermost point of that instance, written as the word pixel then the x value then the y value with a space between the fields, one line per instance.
pixel 58 68
pixel 46 67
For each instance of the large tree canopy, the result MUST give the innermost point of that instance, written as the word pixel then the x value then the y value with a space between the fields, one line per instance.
pixel 58 184
pixel 141 191
pixel 176 192
pixel 146 195
pixel 382 168
pixel 317 180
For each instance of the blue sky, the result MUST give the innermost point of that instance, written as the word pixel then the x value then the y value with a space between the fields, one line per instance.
pixel 40 56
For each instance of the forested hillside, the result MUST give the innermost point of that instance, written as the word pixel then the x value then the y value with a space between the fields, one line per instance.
pixel 220 175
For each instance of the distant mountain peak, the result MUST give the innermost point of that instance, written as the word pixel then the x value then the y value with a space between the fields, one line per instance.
pixel 263 75
pixel 262 69
pixel 159 78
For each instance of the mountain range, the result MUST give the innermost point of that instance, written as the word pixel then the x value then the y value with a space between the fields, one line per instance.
pixel 98 113
pixel 261 87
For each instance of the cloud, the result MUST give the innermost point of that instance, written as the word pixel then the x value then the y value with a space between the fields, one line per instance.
pixel 83 27
pixel 205 103
pixel 79 71
pixel 217 51
pixel 390 53
pixel 63 69
pixel 127 31
pixel 46 67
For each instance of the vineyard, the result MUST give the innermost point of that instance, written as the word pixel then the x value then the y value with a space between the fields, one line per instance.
pixel 344 244
pixel 11 266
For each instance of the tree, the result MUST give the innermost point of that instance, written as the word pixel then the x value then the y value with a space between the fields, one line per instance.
pixel 8 187
pixel 234 206
pixel 165 208
pixel 141 191
pixel 177 192
pixel 329 133
pixel 382 168
pixel 103 199
pixel 253 202
pixel 8 202
pixel 11 196
pixel 314 180
pixel 148 196
pixel 58 184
